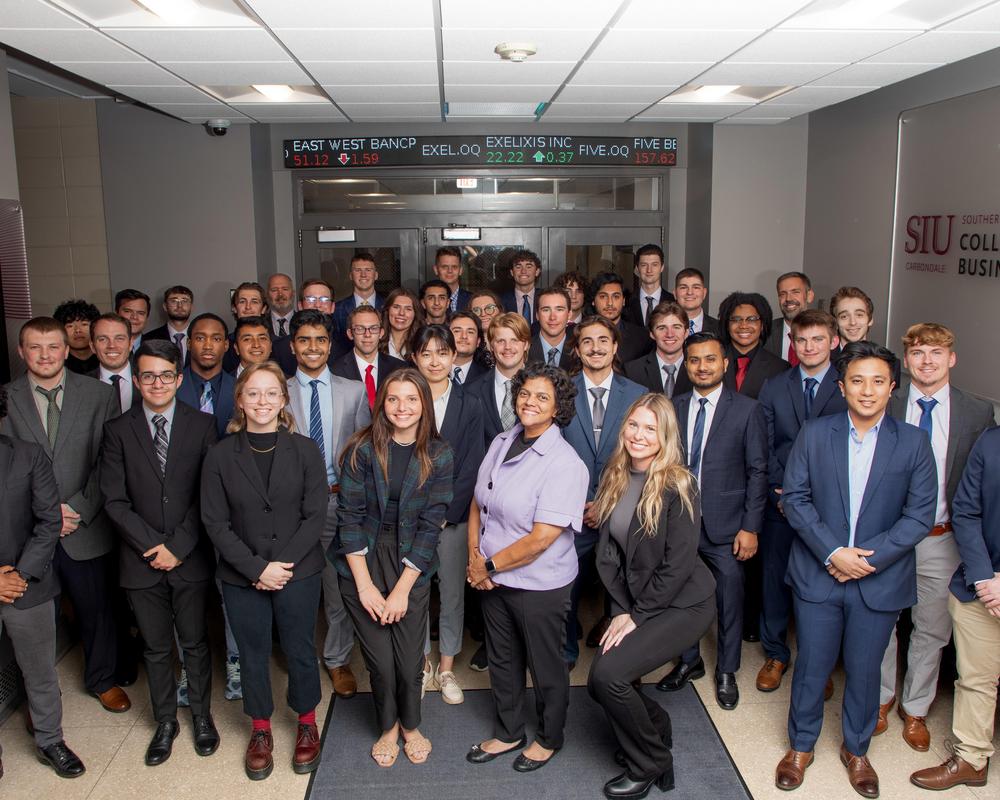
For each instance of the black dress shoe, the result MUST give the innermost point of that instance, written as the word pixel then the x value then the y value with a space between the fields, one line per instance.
pixel 668 742
pixel 162 743
pixel 479 661
pixel 751 636
pixel 680 675
pixel 206 736
pixel 479 756
pixel 524 764
pixel 727 693
pixel 62 760
pixel 625 787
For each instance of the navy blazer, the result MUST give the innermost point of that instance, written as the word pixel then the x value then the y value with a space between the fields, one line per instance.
pixel 482 387
pixel 580 431
pixel 897 509
pixel 462 428
pixel 223 405
pixel 733 464
pixel 975 517
pixel 509 301
pixel 342 310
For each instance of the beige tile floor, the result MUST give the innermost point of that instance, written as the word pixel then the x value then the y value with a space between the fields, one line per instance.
pixel 112 745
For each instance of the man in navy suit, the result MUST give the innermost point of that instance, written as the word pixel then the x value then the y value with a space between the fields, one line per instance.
pixel 860 490
pixel 602 398
pixel 727 452
pixel 448 268
pixel 364 273
pixel 525 267
pixel 552 344
pixel 783 399
pixel 974 606
pixel 206 386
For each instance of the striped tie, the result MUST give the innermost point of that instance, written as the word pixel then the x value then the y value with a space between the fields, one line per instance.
pixel 507 415
pixel 160 442
pixel 316 419
pixel 206 403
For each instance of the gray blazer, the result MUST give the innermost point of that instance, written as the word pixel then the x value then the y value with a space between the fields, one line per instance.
pixel 969 417
pixel 86 405
pixel 350 410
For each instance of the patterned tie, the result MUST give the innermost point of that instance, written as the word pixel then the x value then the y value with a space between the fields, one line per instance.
pixel 282 330
pixel 808 390
pixel 690 327
pixel 456 376
pixel 51 413
pixel 116 383
pixel 160 442
pixel 206 403
pixel 742 365
pixel 926 420
pixel 793 357
pixel 316 419
pixel 370 385
pixel 598 412
pixel 670 381
pixel 649 310
pixel 553 357
pixel 179 341
pixel 694 462
pixel 526 309
pixel 507 415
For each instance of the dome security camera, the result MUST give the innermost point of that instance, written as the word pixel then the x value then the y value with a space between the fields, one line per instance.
pixel 217 127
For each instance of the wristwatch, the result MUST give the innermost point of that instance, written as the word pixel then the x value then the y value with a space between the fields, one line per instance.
pixel 491 568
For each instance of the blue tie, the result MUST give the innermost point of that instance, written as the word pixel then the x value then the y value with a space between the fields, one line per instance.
pixel 697 436
pixel 926 420
pixel 316 419
pixel 809 386
pixel 526 309
pixel 690 327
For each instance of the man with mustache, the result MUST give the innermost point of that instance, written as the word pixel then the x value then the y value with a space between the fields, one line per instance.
pixel 795 294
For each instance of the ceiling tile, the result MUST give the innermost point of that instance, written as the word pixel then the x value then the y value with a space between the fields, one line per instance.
pixel 577 93
pixel 939 46
pixel 123 74
pixel 869 74
pixel 326 14
pixel 270 112
pixel 987 19
pixel 202 110
pixel 906 15
pixel 803 47
pixel 384 94
pixel 402 111
pixel 67 45
pixel 34 14
pixel 772 110
pixel 132 14
pixel 759 14
pixel 819 95
pixel 411 44
pixel 238 73
pixel 628 73
pixel 609 111
pixel 499 94
pixel 739 119
pixel 164 94
pixel 500 73
pixel 462 44
pixel 646 46
pixel 728 74
pixel 693 110
pixel 557 14
pixel 201 44
pixel 373 72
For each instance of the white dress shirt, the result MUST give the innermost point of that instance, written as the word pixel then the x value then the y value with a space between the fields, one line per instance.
pixel 710 406
pixel 695 324
pixel 440 406
pixel 363 367
pixel 644 302
pixel 463 370
pixel 940 420
pixel 606 385
pixel 786 342
pixel 124 386
pixel 679 363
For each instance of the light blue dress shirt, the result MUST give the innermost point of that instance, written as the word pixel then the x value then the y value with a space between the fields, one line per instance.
pixel 860 453
pixel 818 376
pixel 546 347
pixel 168 415
pixel 325 412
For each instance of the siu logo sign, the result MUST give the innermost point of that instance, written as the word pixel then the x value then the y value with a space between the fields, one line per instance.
pixel 929 240
pixel 929 234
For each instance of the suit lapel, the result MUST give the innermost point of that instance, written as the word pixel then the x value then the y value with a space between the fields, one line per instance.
pixel 884 448
pixel 20 395
pixel 824 392
pixel 249 468
pixel 838 446
pixel 683 409
pixel 725 401
pixel 957 415
pixel 284 457
pixel 410 480
pixel 452 413
pixel 613 413
pixel 144 437
pixel 68 414
pixel 336 423
pixel 6 456
pixel 381 485
pixel 583 415
pixel 794 385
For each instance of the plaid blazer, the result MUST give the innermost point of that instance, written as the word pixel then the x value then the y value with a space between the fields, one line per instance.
pixel 361 503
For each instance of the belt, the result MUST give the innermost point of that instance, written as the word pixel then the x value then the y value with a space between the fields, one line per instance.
pixel 334 488
pixel 940 530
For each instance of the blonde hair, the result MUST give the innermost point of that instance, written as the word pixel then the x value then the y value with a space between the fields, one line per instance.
pixel 933 334
pixel 667 471
pixel 513 322
pixel 239 420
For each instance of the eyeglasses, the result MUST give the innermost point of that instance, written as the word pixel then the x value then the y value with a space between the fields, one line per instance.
pixel 740 320
pixel 480 310
pixel 361 330
pixel 179 301
pixel 312 298
pixel 271 396
pixel 149 378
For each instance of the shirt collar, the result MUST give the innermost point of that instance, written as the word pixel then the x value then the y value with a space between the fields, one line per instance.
pixel 656 294
pixel 168 414
pixel 588 384
pixel 62 382
pixel 679 363
pixel 304 380
pixel 543 443
pixel 364 301
pixel 125 372
pixel 546 346
pixel 942 395
pixel 819 376
pixel 873 429
pixel 712 397
pixel 443 399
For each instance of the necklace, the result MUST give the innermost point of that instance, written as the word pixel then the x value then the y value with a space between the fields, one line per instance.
pixel 263 451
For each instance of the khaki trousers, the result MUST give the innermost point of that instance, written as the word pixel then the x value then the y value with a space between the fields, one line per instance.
pixel 977 643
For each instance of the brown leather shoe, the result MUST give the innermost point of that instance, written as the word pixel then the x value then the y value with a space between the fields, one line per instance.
pixel 307 750
pixel 344 684
pixel 828 689
pixel 883 717
pixel 259 762
pixel 860 773
pixel 792 769
pixel 769 677
pixel 953 772
pixel 114 700
pixel 915 732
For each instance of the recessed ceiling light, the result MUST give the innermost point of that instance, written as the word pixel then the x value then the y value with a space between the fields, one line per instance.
pixel 275 92
pixel 744 95
pixel 515 51
pixel 175 12
pixel 712 94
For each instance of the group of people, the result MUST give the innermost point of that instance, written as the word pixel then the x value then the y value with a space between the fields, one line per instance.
pixel 516 451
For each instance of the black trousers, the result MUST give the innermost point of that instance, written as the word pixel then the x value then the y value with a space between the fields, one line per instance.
pixel 639 722
pixel 293 610
pixel 175 603
pixel 394 655
pixel 88 584
pixel 526 629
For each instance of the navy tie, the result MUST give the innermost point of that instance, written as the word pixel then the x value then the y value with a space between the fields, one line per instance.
pixel 316 419
pixel 926 420
pixel 696 437
pixel 809 386
pixel 526 308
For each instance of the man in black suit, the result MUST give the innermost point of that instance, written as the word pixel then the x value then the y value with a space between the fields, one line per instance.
pixel 281 302
pixel 249 300
pixel 649 265
pixel 552 343
pixel 151 479
pixel 510 341
pixel 111 337
pixel 663 369
pixel 364 362
pixel 134 306
pixel 525 267
pixel 178 302
pixel 434 297
pixel 795 294
pixel 448 268
pixel 691 291
pixel 29 586
pixel 468 332
pixel 724 436
pixel 608 293
pixel 744 316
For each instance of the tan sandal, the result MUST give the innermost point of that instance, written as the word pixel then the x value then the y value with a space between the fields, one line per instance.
pixel 385 753
pixel 417 749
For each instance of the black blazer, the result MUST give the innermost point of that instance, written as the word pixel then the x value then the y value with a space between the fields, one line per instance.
pixel 251 524
pixel 646 372
pixel 463 430
pixel 733 464
pixel 635 313
pixel 710 325
pixel 148 508
pixel 347 367
pixel 231 359
pixel 476 371
pixel 31 518
pixel 536 354
pixel 636 341
pixel 763 365
pixel 509 301
pixel 656 572
pixel 482 388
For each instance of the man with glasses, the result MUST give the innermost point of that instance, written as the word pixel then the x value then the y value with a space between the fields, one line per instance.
pixel 364 362
pixel 178 301
pixel 153 455
pixel 364 273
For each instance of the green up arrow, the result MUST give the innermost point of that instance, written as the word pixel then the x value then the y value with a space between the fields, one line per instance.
pixel 539 156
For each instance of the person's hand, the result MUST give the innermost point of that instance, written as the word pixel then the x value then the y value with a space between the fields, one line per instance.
pixel 396 605
pixel 372 601
pixel 744 545
pixel 588 518
pixel 275 575
pixel 988 592
pixel 620 627
pixel 12 585
pixel 163 558
pixel 850 562
pixel 70 520
pixel 476 572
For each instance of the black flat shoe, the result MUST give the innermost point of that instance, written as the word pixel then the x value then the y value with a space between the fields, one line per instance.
pixel 524 764
pixel 625 787
pixel 677 677
pixel 479 756
pixel 479 661
pixel 162 743
pixel 668 742
pixel 206 735
pixel 727 693
pixel 63 760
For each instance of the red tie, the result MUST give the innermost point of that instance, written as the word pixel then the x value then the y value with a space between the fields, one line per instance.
pixel 742 365
pixel 370 385
pixel 793 358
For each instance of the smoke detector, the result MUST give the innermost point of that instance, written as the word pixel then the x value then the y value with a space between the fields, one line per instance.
pixel 515 51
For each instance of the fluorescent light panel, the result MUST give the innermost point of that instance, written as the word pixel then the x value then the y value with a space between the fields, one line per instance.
pixel 719 94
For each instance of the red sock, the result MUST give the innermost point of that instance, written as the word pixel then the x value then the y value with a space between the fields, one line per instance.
pixel 262 724
pixel 308 719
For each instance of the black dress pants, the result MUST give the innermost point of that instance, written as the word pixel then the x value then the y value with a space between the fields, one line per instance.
pixel 638 721
pixel 526 629
pixel 175 602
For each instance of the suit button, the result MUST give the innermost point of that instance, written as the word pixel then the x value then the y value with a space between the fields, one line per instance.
pixel 267 509
pixel 164 499
pixel 489 485
pixel 274 538
pixel 486 510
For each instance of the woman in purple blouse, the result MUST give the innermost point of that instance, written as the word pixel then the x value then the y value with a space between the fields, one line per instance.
pixel 527 507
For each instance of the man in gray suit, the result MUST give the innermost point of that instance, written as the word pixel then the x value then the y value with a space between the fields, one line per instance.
pixel 65 414
pixel 953 420
pixel 328 409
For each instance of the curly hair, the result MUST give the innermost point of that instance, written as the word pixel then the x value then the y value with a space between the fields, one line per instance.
pixel 75 311
pixel 728 306
pixel 565 389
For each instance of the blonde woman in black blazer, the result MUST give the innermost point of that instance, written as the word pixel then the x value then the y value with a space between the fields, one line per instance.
pixel 263 502
pixel 662 595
